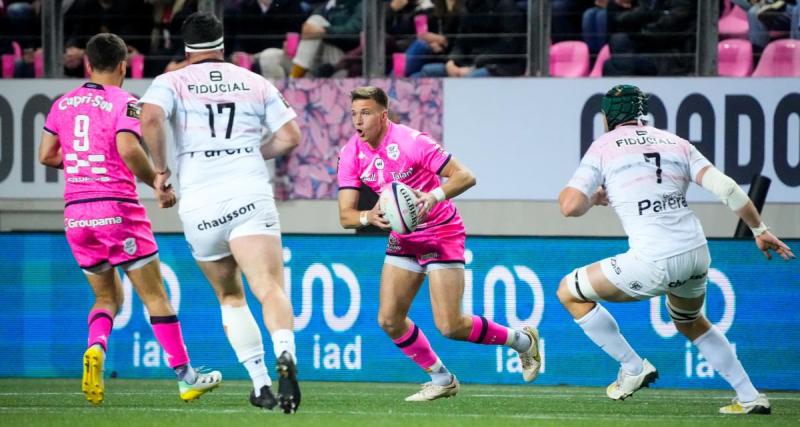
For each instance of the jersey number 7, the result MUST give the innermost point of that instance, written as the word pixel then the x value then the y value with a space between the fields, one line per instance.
pixel 657 157
pixel 221 107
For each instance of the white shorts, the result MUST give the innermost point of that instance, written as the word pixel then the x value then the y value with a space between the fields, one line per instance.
pixel 411 264
pixel 683 275
pixel 209 229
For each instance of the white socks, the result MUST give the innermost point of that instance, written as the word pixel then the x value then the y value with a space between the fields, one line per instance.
pixel 603 330
pixel 283 340
pixel 439 374
pixel 518 340
pixel 245 338
pixel 719 353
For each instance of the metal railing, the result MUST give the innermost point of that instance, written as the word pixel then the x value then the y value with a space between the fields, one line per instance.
pixel 374 56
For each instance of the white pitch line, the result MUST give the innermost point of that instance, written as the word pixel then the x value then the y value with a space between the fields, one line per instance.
pixel 554 416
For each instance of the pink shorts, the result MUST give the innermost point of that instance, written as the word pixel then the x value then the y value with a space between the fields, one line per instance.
pixel 442 243
pixel 108 231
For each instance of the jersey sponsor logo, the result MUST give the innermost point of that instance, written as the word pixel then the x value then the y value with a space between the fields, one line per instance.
pixel 393 151
pixel 644 140
pixel 96 101
pixel 79 179
pixel 369 178
pixel 92 223
pixel 129 246
pixel 429 255
pixel 635 285
pixel 393 245
pixel 379 164
pixel 133 111
pixel 399 176
pixel 670 201
pixel 230 216
pixel 208 154
pixel 199 89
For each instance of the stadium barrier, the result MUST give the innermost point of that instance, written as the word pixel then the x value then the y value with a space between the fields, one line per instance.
pixel 333 285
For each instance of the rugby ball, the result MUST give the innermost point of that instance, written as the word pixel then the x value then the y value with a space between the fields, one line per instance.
pixel 399 206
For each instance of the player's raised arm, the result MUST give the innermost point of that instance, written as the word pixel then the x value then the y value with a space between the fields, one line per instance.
pixel 735 198
pixel 286 139
pixel 50 151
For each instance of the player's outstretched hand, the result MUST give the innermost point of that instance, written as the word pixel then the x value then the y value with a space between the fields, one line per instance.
pixel 600 197
pixel 767 241
pixel 425 202
pixel 375 217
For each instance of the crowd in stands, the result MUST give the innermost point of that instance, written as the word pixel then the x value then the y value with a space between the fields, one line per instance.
pixel 424 38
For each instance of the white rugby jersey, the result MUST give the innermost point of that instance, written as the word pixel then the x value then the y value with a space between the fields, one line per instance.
pixel 646 172
pixel 218 112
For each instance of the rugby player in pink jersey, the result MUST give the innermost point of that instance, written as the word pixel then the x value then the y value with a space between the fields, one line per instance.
pixel 382 152
pixel 643 173
pixel 92 132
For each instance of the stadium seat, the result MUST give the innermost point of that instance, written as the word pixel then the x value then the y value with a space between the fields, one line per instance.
pixel 8 60
pixel 399 64
pixel 137 66
pixel 735 58
pixel 569 59
pixel 242 59
pixel 734 24
pixel 781 58
pixel 602 57
pixel 38 64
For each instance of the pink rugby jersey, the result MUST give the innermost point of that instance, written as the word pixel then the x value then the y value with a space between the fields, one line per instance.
pixel 405 155
pixel 86 121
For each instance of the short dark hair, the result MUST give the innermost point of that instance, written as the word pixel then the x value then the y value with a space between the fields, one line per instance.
pixel 201 27
pixel 370 92
pixel 105 52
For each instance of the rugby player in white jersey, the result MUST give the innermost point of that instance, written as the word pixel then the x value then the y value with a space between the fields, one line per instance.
pixel 218 112
pixel 643 173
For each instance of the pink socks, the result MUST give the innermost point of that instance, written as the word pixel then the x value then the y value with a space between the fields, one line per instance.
pixel 100 323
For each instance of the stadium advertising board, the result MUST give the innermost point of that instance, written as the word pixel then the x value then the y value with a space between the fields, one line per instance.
pixel 333 285
pixel 529 131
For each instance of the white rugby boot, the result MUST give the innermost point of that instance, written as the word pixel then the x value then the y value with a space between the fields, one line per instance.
pixel 626 385
pixel 432 391
pixel 758 406
pixel 531 360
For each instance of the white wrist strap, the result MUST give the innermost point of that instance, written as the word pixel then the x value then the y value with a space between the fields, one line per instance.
pixel 362 217
pixel 761 229
pixel 438 193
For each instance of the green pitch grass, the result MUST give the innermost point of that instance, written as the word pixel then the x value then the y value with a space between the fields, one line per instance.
pixel 59 402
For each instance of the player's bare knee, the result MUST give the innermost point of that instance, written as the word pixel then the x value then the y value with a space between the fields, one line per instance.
pixel 454 328
pixel 391 324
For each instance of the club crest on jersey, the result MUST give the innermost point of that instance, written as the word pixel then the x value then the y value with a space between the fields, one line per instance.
pixel 379 164
pixel 134 111
pixel 129 246
pixel 393 151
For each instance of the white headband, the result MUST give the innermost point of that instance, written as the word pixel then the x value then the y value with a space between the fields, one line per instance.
pixel 205 47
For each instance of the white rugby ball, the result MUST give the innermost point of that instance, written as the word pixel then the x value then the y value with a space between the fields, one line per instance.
pixel 399 206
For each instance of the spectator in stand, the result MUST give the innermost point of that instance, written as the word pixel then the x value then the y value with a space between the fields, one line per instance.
pixel 565 18
pixel 490 42
pixel 260 28
pixel 434 45
pixel 332 30
pixel 594 26
pixel 651 38
pixel 764 16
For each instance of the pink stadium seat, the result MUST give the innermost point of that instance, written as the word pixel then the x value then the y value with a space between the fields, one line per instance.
pixel 781 58
pixel 735 58
pixel 8 60
pixel 38 64
pixel 137 66
pixel 8 65
pixel 399 64
pixel 242 59
pixel 734 24
pixel 602 57
pixel 569 59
